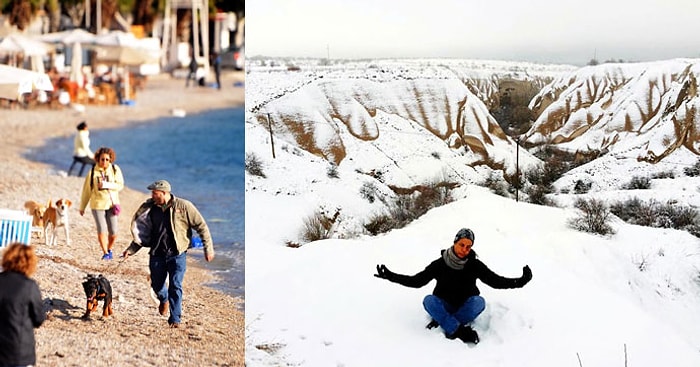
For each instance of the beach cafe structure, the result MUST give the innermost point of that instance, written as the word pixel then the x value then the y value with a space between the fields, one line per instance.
pixel 103 69
pixel 109 67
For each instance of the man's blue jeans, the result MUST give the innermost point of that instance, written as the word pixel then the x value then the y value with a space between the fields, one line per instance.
pixel 450 317
pixel 173 268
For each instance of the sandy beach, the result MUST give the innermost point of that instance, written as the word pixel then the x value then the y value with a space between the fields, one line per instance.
pixel 212 332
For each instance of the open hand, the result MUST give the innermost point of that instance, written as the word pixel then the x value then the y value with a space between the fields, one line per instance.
pixel 383 272
pixel 527 275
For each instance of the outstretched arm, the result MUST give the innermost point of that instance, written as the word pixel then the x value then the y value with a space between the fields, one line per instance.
pixel 413 281
pixel 496 281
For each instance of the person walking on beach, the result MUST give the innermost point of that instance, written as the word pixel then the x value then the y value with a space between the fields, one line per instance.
pixel 193 72
pixel 21 306
pixel 164 223
pixel 216 62
pixel 101 189
pixel 455 301
pixel 81 149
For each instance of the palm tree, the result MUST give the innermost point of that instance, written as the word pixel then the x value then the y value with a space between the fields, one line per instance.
pixel 145 13
pixel 21 13
pixel 53 9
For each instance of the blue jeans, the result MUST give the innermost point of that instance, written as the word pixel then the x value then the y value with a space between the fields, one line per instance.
pixel 173 268
pixel 450 317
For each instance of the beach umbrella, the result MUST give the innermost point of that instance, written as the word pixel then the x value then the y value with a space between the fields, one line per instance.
pixel 17 43
pixel 76 64
pixel 15 81
pixel 68 37
pixel 116 39
pixel 124 55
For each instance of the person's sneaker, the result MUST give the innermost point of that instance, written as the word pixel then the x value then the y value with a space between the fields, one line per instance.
pixel 106 257
pixel 466 334
pixel 111 256
pixel 174 325
pixel 163 307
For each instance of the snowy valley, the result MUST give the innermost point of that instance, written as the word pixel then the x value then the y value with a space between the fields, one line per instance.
pixel 343 140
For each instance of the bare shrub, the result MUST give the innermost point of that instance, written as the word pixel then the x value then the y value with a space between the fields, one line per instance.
pixel 537 194
pixel 380 223
pixel 677 216
pixel 540 179
pixel 627 210
pixel 664 174
pixel 654 214
pixel 694 170
pixel 582 187
pixel 318 226
pixel 594 218
pixel 332 171
pixel 254 165
pixel 496 184
pixel 638 183
pixel 434 194
pixel 369 191
pixel 646 216
pixel 551 170
pixel 404 209
pixel 408 207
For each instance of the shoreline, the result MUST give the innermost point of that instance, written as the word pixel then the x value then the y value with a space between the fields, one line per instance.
pixel 227 267
pixel 136 334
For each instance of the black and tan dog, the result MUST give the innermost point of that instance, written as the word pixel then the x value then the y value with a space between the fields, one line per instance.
pixel 97 288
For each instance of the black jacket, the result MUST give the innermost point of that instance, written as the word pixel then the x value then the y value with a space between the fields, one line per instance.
pixel 455 286
pixel 21 310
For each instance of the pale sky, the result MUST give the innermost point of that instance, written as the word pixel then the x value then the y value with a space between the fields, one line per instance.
pixel 559 31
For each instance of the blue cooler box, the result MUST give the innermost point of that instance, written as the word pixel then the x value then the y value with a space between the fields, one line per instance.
pixel 15 226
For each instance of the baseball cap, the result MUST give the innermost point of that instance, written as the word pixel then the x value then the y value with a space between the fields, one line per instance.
pixel 160 185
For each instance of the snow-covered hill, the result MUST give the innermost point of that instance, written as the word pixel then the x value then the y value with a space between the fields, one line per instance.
pixel 642 110
pixel 323 109
pixel 630 297
pixel 598 300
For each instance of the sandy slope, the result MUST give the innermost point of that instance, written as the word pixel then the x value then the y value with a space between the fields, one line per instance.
pixel 213 325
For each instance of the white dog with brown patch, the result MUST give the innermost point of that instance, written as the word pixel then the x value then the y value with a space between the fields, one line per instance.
pixel 57 216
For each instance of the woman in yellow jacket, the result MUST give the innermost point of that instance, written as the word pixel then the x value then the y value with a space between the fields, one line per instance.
pixel 101 189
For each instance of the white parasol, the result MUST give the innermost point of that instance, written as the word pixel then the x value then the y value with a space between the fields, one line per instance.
pixel 68 37
pixel 76 64
pixel 15 81
pixel 17 43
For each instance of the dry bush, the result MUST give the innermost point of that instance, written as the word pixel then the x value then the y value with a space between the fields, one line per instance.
pixel 410 205
pixel 496 184
pixel 254 165
pixel 664 174
pixel 537 194
pixel 370 192
pixel 638 183
pixel 594 218
pixel 318 226
pixel 582 187
pixel 656 214
pixel 332 171
pixel 694 170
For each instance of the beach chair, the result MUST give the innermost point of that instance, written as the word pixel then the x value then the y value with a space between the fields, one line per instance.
pixel 15 226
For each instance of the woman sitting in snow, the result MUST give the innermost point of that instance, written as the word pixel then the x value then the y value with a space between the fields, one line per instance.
pixel 455 301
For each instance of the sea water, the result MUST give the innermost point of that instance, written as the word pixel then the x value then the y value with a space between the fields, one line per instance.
pixel 202 156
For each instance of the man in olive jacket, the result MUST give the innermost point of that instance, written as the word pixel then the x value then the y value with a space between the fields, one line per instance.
pixel 164 224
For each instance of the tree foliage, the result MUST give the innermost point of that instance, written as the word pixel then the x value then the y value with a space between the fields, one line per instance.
pixel 143 12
